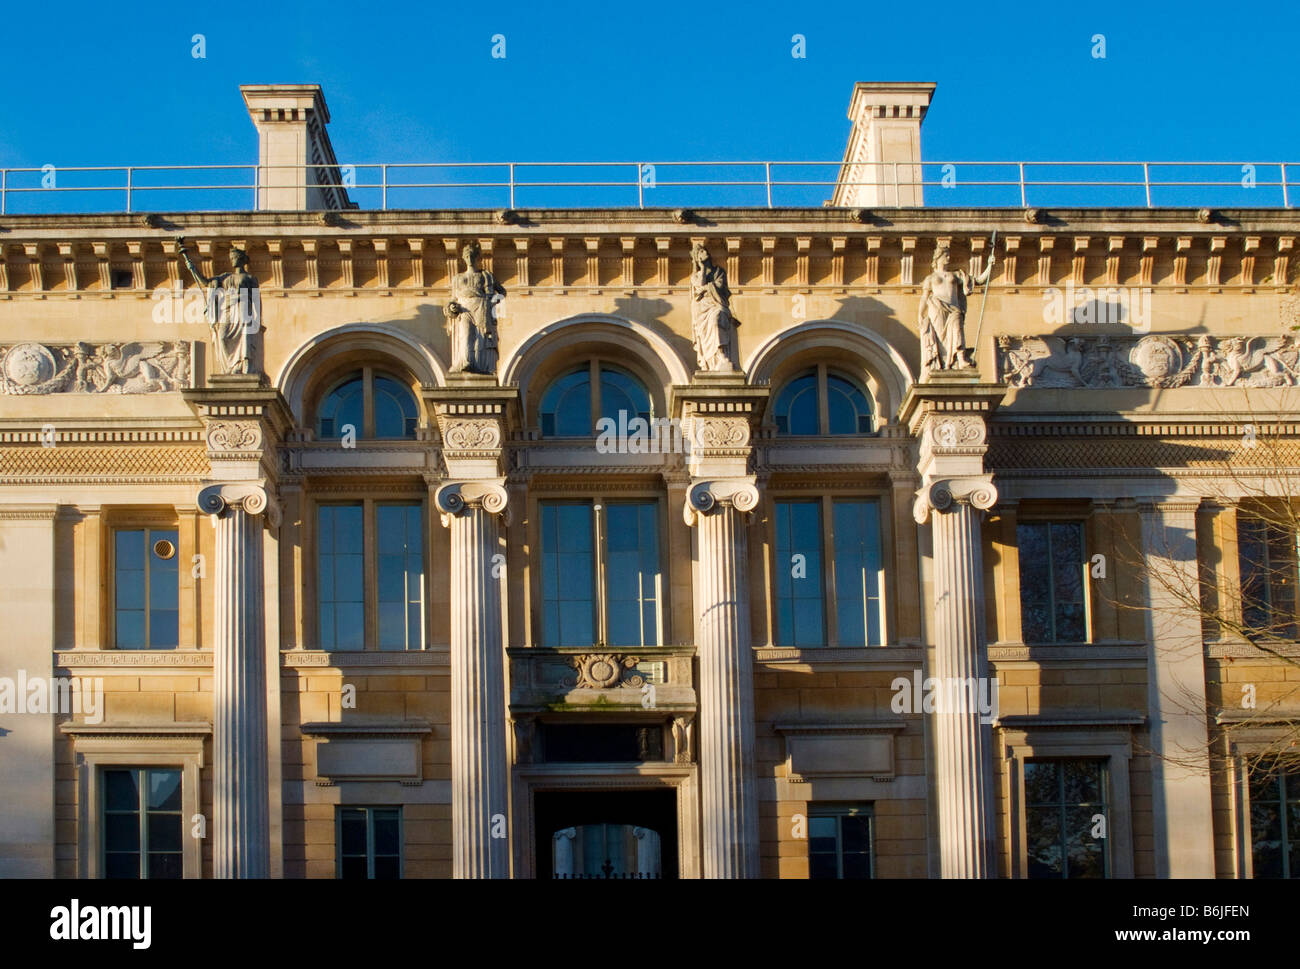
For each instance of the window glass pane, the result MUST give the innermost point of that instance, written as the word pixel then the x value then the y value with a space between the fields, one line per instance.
pixel 339 577
pixel 1035 582
pixel 796 406
pixel 857 572
pixel 1067 581
pixel 121 865
pixel 387 832
pixel 799 580
pixel 341 407
pixel 122 832
pixel 164 832
pixel 167 865
pixel 846 406
pixel 164 790
pixel 395 408
pixel 121 790
pixel 620 391
pixel 566 406
pixel 568 574
pixel 400 546
pixel 632 573
pixel 352 832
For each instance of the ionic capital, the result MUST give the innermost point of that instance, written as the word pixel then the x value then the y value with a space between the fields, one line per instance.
pixel 947 494
pixel 246 496
pixel 707 496
pixel 458 497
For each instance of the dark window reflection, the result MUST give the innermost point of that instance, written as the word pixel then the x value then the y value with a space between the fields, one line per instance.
pixel 839 841
pixel 369 842
pixel 1053 593
pixel 1066 823
pixel 143 829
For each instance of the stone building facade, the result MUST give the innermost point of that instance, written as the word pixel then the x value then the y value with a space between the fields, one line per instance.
pixel 356 613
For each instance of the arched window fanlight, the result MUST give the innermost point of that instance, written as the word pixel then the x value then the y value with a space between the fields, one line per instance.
pixel 595 388
pixel 372 404
pixel 819 401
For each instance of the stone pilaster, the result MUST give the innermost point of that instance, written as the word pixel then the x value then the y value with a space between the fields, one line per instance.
pixel 948 417
pixel 472 414
pixel 717 414
pixel 244 422
pixel 1181 805
pixel 241 823
pixel 480 769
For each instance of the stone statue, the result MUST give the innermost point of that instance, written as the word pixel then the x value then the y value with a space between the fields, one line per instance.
pixel 713 325
pixel 942 314
pixel 471 316
pixel 234 313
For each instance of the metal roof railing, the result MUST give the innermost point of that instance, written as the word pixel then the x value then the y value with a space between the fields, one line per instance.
pixel 576 184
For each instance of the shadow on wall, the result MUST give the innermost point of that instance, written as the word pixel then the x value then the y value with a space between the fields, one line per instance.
pixel 651 312
pixel 877 316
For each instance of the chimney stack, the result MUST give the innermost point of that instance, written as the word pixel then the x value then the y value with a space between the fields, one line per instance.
pixel 297 169
pixel 882 163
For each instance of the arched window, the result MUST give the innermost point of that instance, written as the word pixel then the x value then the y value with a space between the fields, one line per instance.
pixel 595 388
pixel 819 401
pixel 372 404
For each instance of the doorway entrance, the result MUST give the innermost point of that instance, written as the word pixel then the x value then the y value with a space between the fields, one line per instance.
pixel 605 834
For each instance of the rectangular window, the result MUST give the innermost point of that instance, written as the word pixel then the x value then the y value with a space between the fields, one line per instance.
pixel 853 549
pixel 142 823
pixel 400 547
pixel 1268 576
pixel 1065 818
pixel 1053 597
pixel 340 589
pixel 600 573
pixel 800 585
pixel 632 576
pixel 1275 822
pixel 146 606
pixel 858 574
pixel 369 842
pixel 839 841
pixel 380 603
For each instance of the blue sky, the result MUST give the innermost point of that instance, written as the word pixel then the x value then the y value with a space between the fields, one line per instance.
pixel 111 84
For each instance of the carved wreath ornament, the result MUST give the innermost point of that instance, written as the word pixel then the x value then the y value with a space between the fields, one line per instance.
pixel 604 671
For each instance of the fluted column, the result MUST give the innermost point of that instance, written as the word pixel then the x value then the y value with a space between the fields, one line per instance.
pixel 479 768
pixel 963 733
pixel 241 821
pixel 728 801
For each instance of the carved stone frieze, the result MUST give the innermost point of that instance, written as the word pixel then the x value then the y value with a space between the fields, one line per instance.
pixel 604 671
pixel 89 368
pixel 1149 361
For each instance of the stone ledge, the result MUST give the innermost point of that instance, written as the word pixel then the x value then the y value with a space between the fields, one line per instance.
pixel 349 659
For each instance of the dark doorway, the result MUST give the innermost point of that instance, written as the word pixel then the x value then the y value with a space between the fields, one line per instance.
pixel 605 834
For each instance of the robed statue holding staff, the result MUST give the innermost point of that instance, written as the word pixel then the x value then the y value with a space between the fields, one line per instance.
pixel 234 313
pixel 942 314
